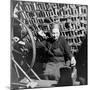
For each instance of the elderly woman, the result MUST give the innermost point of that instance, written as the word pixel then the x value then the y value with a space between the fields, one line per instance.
pixel 57 55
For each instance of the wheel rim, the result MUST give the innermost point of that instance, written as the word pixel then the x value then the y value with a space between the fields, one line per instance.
pixel 33 42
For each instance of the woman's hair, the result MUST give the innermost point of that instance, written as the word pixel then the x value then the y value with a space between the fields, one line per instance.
pixel 53 25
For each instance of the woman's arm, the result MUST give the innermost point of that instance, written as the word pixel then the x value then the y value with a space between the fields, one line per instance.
pixel 68 53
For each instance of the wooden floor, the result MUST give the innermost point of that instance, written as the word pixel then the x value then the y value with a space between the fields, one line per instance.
pixel 39 84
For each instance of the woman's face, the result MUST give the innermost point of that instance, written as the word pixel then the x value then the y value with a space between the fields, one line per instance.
pixel 55 32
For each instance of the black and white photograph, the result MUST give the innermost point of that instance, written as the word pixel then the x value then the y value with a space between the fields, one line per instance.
pixel 49 44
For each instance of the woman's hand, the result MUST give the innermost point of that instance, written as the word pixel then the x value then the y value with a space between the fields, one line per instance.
pixel 73 61
pixel 41 33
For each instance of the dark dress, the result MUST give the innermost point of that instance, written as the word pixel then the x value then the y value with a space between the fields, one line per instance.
pixel 58 55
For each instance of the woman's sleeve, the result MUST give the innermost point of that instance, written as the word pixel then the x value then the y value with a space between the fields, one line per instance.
pixel 67 49
pixel 40 44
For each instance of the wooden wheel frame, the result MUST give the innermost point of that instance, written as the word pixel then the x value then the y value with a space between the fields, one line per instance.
pixel 32 41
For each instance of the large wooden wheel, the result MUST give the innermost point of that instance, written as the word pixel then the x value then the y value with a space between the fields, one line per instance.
pixel 31 42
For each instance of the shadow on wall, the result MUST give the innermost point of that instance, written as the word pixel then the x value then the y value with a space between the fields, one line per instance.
pixel 82 61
